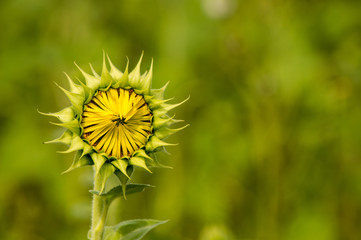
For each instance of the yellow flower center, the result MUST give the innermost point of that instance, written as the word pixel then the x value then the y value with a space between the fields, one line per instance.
pixel 117 122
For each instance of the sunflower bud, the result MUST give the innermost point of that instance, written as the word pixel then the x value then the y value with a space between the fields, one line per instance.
pixel 116 120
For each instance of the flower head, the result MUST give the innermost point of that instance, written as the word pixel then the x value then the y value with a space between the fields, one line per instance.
pixel 116 120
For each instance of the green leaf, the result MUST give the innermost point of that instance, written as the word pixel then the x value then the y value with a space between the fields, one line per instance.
pixel 118 191
pixel 131 229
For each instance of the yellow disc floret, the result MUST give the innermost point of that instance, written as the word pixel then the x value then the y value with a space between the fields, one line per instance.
pixel 117 122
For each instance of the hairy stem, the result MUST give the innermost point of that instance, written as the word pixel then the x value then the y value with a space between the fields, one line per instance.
pixel 99 213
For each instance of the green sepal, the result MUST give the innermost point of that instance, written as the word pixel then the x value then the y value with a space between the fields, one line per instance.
pixel 165 132
pixel 74 88
pixel 104 173
pixel 123 81
pixel 155 163
pixel 159 122
pixel 131 229
pixel 134 76
pixel 65 115
pixel 121 164
pixel 88 92
pixel 146 82
pixel 142 153
pixel 119 191
pixel 79 161
pixel 91 81
pixel 159 93
pixel 99 160
pixel 93 71
pixel 75 99
pixel 140 92
pixel 157 103
pixel 65 138
pixel 87 149
pixel 114 71
pixel 139 162
pixel 76 144
pixel 166 107
pixel 72 126
pixel 150 161
pixel 154 143
pixel 106 79
pixel 124 178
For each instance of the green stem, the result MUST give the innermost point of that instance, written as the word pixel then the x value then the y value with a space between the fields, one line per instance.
pixel 99 213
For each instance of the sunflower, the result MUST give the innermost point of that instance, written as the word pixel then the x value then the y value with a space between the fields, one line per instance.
pixel 115 121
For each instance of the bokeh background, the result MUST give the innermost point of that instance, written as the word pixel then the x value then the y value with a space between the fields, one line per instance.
pixel 274 144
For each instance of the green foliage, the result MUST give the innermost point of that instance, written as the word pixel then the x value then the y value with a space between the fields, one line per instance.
pixel 117 191
pixel 131 230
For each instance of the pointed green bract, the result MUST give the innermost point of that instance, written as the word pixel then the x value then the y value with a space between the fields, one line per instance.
pixel 65 138
pixel 134 76
pixel 121 79
pixel 74 88
pixel 76 144
pixel 159 122
pixel 121 164
pixel 104 173
pixel 65 115
pixel 146 82
pixel 159 93
pixel 79 161
pixel 124 178
pixel 91 81
pixel 99 160
pixel 165 132
pixel 116 74
pixel 72 126
pixel 155 143
pixel 75 99
pixel 140 162
pixel 93 71
pixel 106 79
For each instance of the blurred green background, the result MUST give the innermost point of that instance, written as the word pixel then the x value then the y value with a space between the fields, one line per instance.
pixel 274 146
